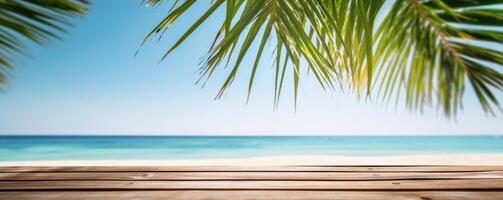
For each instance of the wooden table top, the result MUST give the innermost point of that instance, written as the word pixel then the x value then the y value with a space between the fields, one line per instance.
pixel 253 182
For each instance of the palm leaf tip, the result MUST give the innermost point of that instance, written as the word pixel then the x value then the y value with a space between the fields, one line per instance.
pixel 26 22
pixel 423 53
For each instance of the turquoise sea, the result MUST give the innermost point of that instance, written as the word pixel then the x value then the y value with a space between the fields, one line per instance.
pixel 25 148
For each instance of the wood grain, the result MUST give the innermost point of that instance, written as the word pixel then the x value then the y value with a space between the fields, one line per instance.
pixel 254 182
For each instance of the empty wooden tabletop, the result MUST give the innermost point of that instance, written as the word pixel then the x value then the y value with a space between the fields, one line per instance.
pixel 249 182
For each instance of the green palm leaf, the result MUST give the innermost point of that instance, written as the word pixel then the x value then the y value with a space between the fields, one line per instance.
pixel 31 21
pixel 442 53
pixel 417 51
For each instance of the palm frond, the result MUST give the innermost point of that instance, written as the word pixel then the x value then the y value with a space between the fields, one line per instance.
pixel 32 21
pixel 430 51
pixel 426 50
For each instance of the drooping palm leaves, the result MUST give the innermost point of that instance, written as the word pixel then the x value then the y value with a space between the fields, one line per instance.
pixel 422 51
pixel 429 50
pixel 31 21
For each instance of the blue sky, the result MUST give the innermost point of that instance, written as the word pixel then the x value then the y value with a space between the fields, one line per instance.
pixel 91 83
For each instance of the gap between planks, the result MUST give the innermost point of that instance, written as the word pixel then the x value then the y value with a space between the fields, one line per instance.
pixel 252 195
pixel 462 184
pixel 440 168
pixel 280 176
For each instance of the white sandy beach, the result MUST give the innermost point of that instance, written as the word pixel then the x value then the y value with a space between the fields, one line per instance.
pixel 444 159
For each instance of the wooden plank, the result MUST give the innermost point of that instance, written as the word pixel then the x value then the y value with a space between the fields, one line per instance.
pixel 133 176
pixel 252 195
pixel 462 184
pixel 440 168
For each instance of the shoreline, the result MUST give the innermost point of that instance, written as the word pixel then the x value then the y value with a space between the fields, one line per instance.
pixel 444 159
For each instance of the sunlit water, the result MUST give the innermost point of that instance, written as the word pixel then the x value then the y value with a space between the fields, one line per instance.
pixel 17 148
